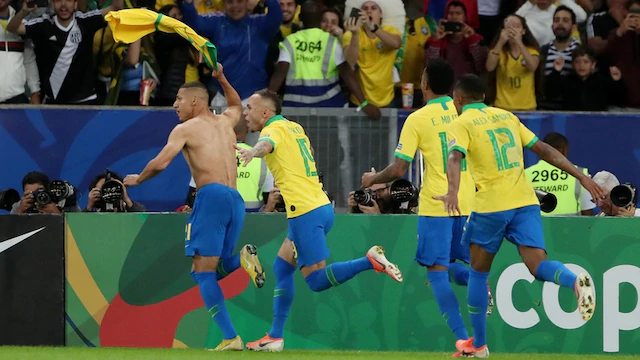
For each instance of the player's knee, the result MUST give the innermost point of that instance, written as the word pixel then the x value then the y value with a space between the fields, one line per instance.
pixel 313 282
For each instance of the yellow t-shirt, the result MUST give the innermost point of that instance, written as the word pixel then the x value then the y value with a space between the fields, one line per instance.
pixel 293 167
pixel 413 62
pixel 492 141
pixel 515 84
pixel 375 62
pixel 426 129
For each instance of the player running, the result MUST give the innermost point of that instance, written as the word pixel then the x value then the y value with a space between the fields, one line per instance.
pixel 439 234
pixel 212 230
pixel 505 206
pixel 289 156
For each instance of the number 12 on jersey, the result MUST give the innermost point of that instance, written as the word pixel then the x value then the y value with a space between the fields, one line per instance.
pixel 306 156
pixel 500 152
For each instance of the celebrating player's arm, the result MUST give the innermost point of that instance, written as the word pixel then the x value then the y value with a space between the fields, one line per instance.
pixel 549 154
pixel 234 102
pixel 262 148
pixel 175 143
pixel 403 157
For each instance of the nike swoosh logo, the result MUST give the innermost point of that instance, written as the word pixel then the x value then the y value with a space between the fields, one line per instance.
pixel 265 344
pixel 18 239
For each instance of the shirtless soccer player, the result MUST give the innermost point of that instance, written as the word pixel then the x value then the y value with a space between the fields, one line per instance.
pixel 207 141
pixel 289 156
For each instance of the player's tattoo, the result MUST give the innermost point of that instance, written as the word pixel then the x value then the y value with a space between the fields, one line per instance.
pixel 260 150
pixel 394 171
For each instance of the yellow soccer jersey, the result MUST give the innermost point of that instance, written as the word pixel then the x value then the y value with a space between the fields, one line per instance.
pixel 375 62
pixel 413 62
pixel 492 141
pixel 293 167
pixel 515 84
pixel 426 129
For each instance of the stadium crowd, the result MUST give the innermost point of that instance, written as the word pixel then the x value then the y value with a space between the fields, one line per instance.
pixel 534 54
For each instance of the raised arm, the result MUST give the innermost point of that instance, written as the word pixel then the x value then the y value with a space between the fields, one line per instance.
pixel 234 103
pixel 549 154
pixel 393 171
pixel 269 23
pixel 262 148
pixel 15 25
pixel 175 143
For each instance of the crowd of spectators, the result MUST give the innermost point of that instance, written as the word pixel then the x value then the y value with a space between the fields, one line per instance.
pixel 534 54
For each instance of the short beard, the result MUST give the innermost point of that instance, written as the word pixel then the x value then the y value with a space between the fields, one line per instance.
pixel 563 37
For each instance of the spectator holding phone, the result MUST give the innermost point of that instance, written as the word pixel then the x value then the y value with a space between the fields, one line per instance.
pixel 457 43
pixel 371 46
pixel 514 57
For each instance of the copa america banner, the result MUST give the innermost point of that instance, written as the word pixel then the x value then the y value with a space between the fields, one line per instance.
pixel 32 280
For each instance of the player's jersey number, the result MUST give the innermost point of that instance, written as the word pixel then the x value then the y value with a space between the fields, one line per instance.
pixel 444 145
pixel 306 156
pixel 500 148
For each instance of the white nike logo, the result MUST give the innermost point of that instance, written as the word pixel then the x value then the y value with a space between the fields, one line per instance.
pixel 16 240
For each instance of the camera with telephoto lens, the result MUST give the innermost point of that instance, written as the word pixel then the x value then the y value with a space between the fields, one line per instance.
pixel 59 192
pixel 548 201
pixel 404 196
pixel 8 197
pixel 111 192
pixel 365 197
pixel 624 195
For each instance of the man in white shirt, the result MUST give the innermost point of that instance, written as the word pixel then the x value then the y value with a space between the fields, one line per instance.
pixel 539 16
pixel 607 182
pixel 17 63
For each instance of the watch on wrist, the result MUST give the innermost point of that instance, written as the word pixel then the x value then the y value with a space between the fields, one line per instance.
pixel 375 28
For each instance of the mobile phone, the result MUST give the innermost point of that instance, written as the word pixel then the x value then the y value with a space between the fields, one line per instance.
pixel 452 26
pixel 355 13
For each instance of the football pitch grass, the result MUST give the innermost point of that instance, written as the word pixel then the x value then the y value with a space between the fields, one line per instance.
pixel 29 353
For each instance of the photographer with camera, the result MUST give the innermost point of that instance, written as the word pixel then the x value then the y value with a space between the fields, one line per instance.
pixel 620 199
pixel 45 197
pixel 384 199
pixel 107 193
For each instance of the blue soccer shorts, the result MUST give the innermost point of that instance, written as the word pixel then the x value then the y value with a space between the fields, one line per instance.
pixel 439 240
pixel 215 223
pixel 308 233
pixel 521 226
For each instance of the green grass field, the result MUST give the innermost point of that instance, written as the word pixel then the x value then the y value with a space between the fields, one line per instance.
pixel 40 353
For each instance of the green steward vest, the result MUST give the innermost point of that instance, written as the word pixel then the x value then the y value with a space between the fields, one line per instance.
pixel 250 180
pixel 567 189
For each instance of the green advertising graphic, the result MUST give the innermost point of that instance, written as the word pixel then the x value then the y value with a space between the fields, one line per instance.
pixel 128 285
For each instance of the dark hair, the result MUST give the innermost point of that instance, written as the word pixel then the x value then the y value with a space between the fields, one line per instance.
pixel 165 10
pixel 583 51
pixel 631 3
pixel 457 3
pixel 527 39
pixel 194 85
pixel 557 140
pixel 439 75
pixel 311 14
pixel 338 13
pixel 472 87
pixel 103 175
pixel 35 177
pixel 273 97
pixel 567 9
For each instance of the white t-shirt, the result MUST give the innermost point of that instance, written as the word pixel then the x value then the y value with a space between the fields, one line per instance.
pixel 339 56
pixel 488 7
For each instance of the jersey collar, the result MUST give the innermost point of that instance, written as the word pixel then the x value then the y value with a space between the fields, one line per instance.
pixel 478 105
pixel 275 118
pixel 440 100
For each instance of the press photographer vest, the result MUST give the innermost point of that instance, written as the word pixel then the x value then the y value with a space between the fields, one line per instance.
pixel 313 78
pixel 250 181
pixel 566 188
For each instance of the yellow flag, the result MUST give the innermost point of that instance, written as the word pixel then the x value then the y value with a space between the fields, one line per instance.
pixel 130 25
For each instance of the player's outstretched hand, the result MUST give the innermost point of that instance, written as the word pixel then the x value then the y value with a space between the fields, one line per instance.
pixel 218 74
pixel 450 204
pixel 244 155
pixel 367 178
pixel 131 180
pixel 596 191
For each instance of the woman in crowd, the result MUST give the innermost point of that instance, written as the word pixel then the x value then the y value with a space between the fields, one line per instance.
pixel 514 56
